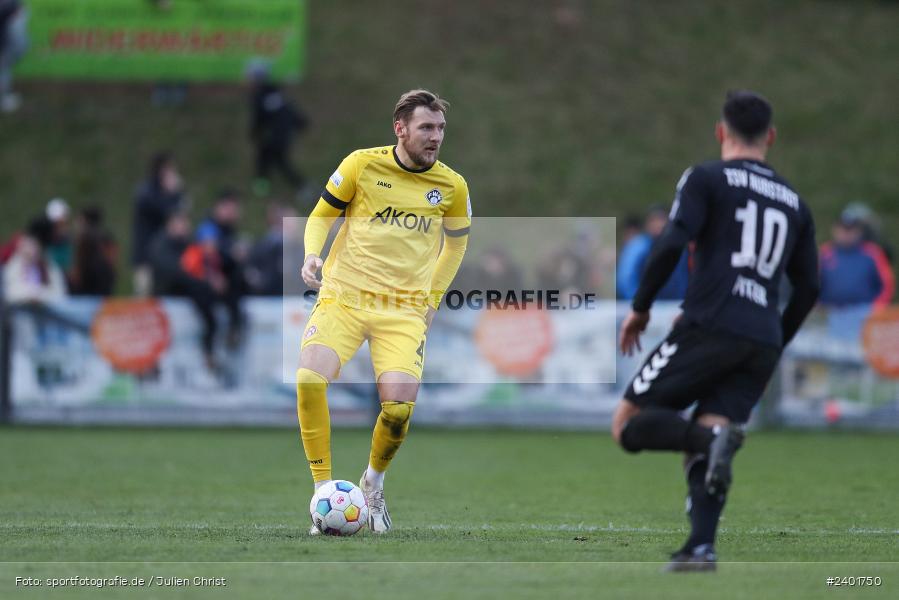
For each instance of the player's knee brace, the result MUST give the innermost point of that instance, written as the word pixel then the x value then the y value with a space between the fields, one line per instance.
pixel 396 415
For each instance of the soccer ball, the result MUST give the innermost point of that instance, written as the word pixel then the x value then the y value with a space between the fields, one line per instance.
pixel 338 508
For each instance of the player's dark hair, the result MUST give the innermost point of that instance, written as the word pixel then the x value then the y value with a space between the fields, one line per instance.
pixel 412 99
pixel 747 114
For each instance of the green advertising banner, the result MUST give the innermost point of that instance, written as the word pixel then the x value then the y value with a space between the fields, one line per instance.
pixel 179 40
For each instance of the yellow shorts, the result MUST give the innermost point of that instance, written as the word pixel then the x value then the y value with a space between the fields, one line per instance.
pixel 396 340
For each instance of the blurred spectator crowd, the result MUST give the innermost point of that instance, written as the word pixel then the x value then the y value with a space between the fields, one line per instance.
pixel 214 265
pixel 56 255
pixel 61 254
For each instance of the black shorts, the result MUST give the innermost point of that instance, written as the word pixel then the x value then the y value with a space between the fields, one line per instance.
pixel 725 374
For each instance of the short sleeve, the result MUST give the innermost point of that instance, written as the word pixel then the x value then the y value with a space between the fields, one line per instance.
pixel 457 218
pixel 691 201
pixel 341 186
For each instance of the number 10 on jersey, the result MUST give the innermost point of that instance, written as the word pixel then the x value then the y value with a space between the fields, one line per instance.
pixel 774 237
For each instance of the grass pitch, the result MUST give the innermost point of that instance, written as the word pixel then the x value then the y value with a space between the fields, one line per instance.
pixel 476 514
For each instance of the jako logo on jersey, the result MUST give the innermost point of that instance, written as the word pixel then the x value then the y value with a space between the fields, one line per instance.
pixel 384 184
pixel 651 369
pixel 434 197
pixel 401 218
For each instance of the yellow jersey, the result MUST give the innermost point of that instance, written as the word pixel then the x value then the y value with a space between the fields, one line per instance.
pixel 388 244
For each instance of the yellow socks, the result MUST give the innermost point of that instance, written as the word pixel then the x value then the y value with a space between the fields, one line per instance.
pixel 315 426
pixel 390 431
pixel 315 422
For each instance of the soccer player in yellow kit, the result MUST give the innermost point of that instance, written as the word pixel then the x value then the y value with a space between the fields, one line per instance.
pixel 403 239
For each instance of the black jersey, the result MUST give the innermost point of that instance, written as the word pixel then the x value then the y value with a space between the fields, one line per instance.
pixel 749 227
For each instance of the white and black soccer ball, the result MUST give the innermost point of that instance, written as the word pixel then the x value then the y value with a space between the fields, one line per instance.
pixel 338 508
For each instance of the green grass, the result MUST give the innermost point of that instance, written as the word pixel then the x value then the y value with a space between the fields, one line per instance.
pixel 522 511
pixel 580 108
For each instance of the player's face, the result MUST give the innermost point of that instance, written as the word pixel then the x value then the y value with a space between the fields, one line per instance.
pixel 422 135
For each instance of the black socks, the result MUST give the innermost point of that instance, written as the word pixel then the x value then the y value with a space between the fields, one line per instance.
pixel 705 509
pixel 661 429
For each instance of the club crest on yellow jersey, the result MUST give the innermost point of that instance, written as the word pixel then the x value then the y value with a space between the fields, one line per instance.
pixel 434 197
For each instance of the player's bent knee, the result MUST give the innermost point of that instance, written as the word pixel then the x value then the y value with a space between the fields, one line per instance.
pixel 396 414
pixel 623 413
pixel 628 440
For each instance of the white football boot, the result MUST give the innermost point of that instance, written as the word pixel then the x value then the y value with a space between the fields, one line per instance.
pixel 378 518
pixel 315 531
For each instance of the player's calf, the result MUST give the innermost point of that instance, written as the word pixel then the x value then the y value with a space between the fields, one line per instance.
pixel 703 510
pixel 315 423
pixel 663 429
pixel 390 431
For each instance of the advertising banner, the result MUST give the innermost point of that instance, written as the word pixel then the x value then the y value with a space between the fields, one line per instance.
pixel 841 370
pixel 181 40
pixel 140 361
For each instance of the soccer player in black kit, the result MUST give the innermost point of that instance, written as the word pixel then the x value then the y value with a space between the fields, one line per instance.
pixel 749 228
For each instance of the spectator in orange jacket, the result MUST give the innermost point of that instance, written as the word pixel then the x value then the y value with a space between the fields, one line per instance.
pixel 203 261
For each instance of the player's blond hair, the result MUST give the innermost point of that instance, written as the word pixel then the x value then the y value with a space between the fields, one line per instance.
pixel 412 99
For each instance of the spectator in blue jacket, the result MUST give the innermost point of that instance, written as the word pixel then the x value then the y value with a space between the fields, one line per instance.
pixel 854 271
pixel 632 260
pixel 855 277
